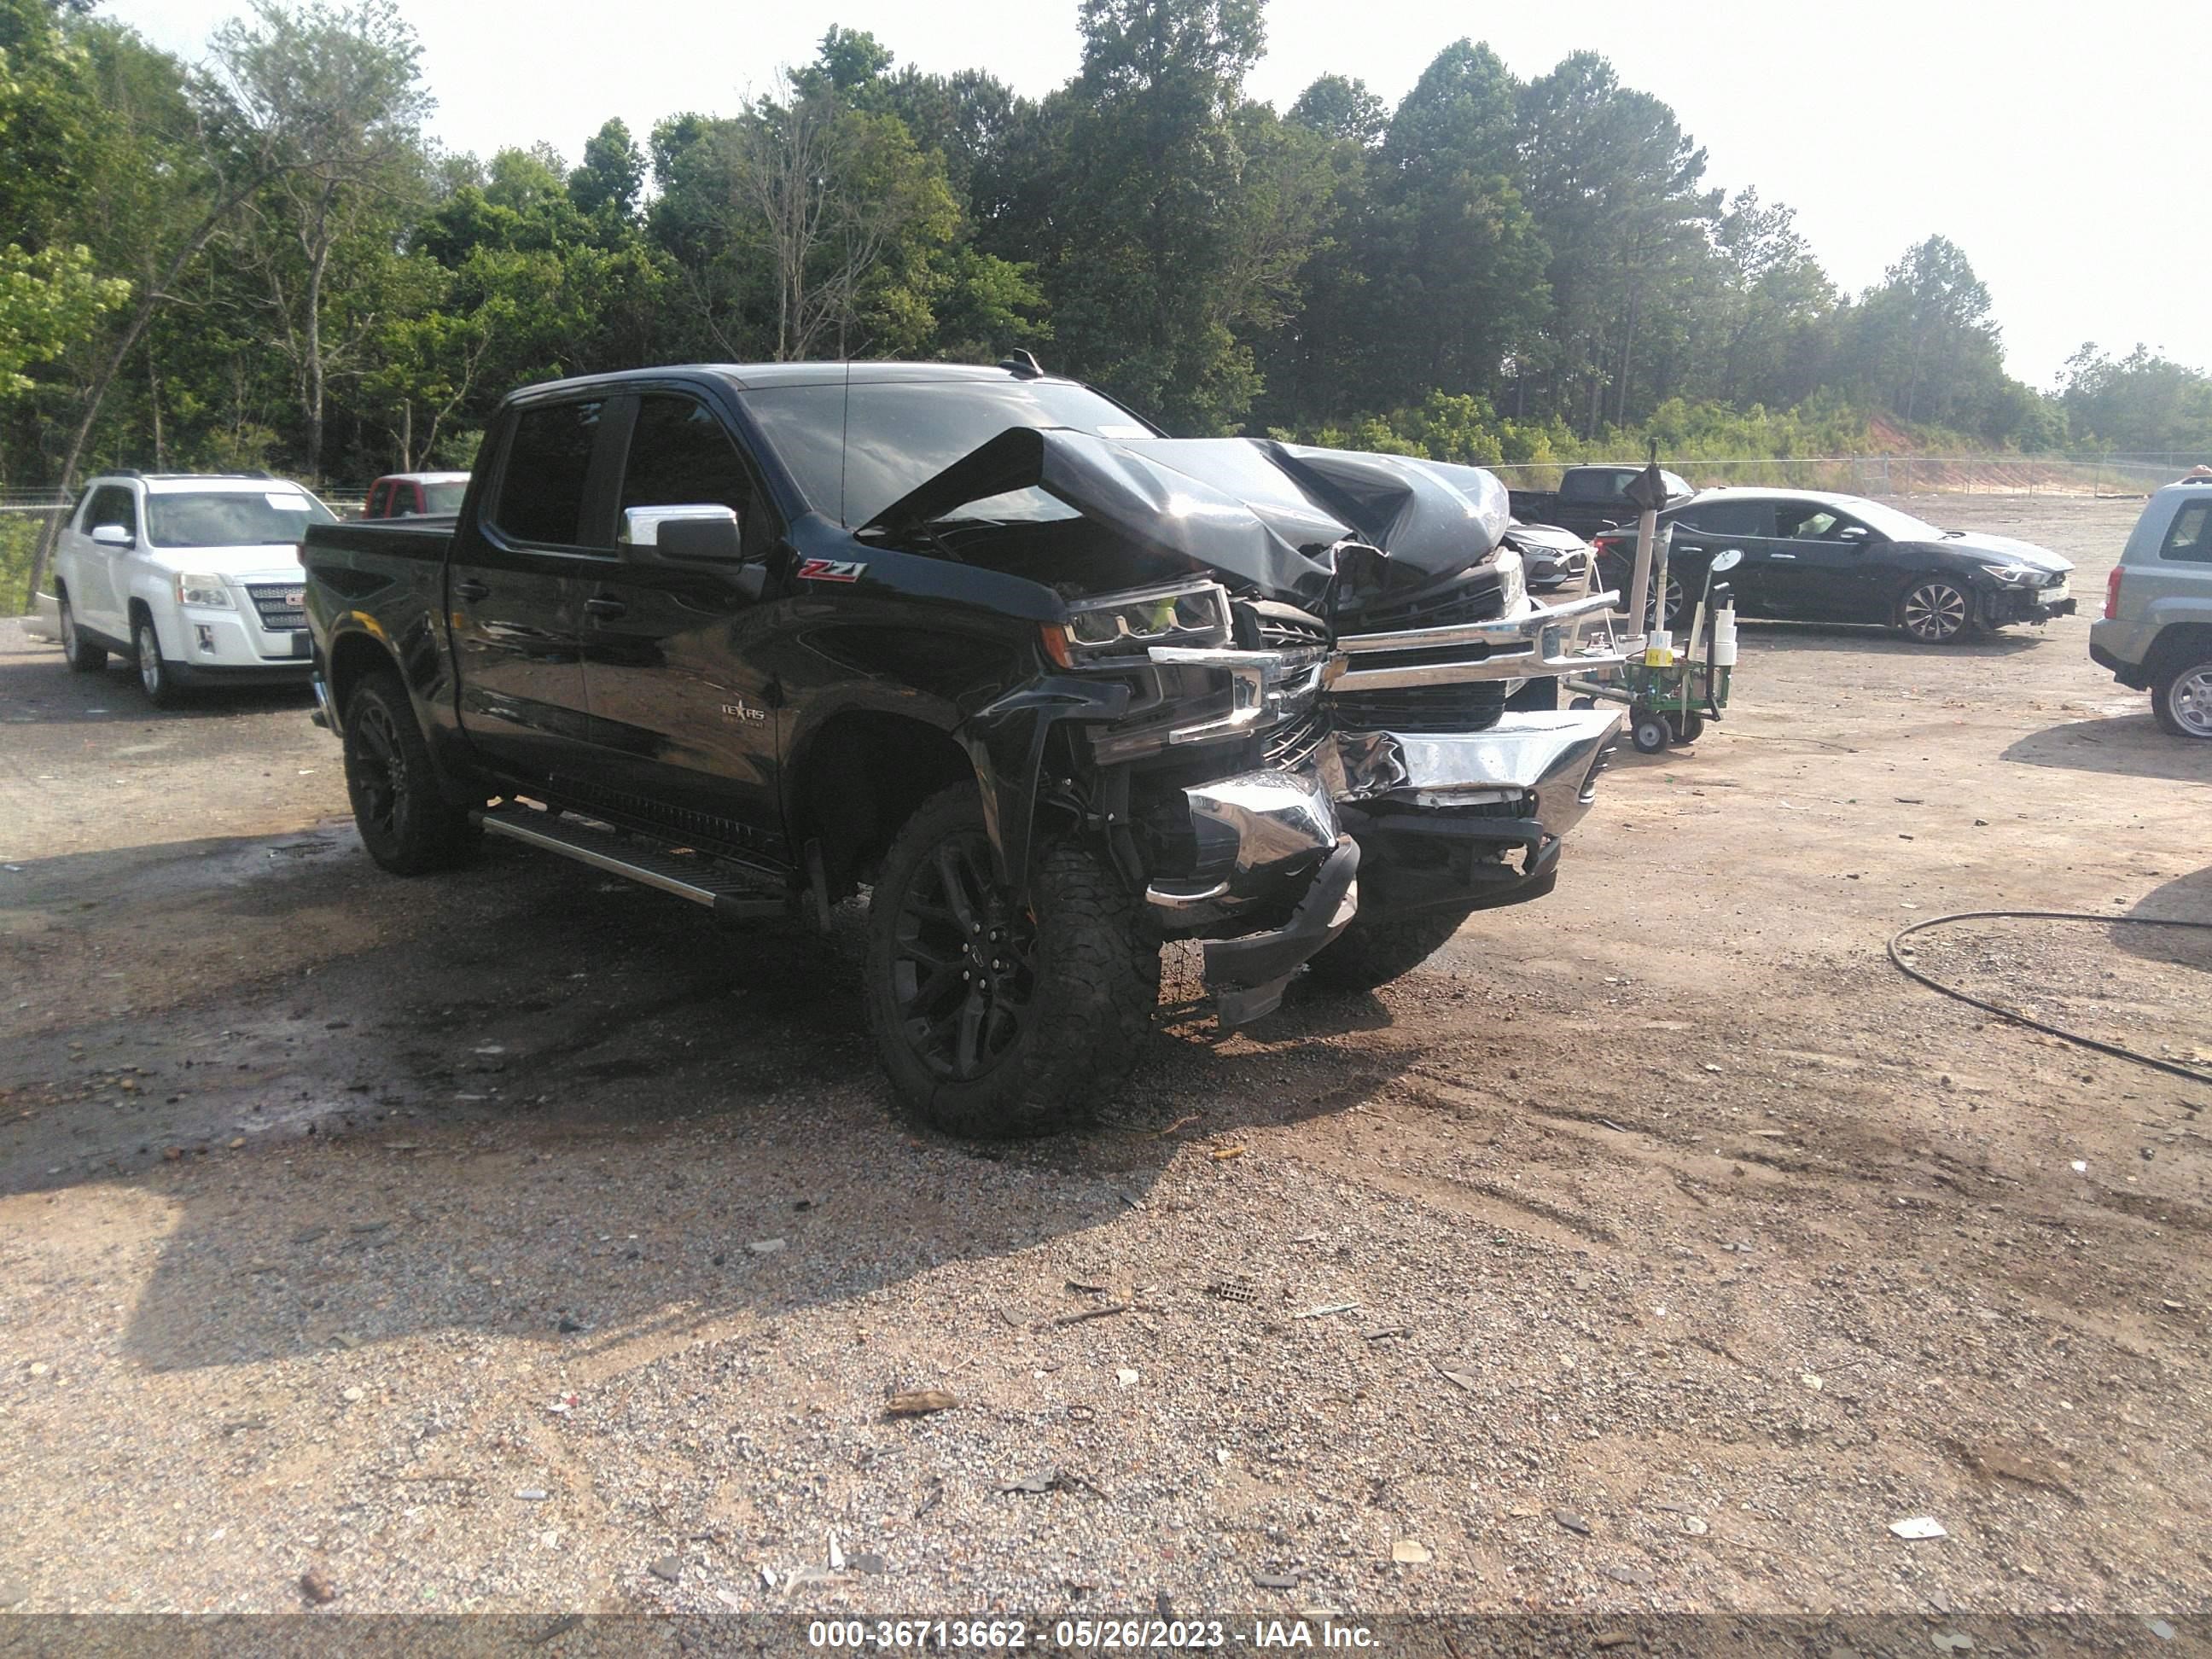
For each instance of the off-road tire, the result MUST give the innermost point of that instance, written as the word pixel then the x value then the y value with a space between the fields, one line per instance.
pixel 84 656
pixel 1095 984
pixel 405 822
pixel 157 677
pixel 2181 697
pixel 1368 954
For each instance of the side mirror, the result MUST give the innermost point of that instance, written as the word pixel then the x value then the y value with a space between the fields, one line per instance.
pixel 113 535
pixel 1726 559
pixel 1857 532
pixel 706 533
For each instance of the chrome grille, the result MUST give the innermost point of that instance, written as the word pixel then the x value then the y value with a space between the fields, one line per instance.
pixel 1477 596
pixel 279 604
pixel 1291 745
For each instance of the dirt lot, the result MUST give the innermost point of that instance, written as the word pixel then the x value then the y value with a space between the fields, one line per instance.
pixel 511 1240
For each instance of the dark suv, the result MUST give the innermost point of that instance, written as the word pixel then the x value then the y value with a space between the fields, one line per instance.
pixel 1053 686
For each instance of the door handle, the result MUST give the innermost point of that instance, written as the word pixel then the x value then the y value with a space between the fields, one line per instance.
pixel 1781 556
pixel 472 590
pixel 606 606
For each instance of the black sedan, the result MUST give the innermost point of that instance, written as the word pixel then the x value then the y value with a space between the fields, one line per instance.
pixel 1817 558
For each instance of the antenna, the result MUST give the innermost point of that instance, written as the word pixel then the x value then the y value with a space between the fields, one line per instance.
pixel 1022 365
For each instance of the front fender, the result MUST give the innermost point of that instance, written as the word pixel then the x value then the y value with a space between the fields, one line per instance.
pixel 1005 741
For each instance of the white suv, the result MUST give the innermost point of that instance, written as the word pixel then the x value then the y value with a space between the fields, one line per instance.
pixel 195 578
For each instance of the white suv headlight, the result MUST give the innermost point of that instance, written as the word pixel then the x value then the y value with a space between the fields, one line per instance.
pixel 208 593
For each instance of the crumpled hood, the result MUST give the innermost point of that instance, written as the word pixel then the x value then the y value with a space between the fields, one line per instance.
pixel 2004 547
pixel 1254 510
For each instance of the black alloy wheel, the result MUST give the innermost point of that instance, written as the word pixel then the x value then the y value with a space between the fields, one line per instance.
pixel 994 1018
pixel 374 770
pixel 963 962
pixel 405 822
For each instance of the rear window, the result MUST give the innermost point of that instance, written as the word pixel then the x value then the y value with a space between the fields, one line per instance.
pixel 444 497
pixel 234 518
pixel 548 457
pixel 2189 537
pixel 1601 484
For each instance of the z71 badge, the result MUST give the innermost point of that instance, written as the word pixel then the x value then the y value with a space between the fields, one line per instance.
pixel 832 570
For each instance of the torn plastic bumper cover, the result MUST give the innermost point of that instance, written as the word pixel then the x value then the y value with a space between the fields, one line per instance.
pixel 1262 834
pixel 1248 975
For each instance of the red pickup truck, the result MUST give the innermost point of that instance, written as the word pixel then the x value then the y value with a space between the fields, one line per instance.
pixel 415 494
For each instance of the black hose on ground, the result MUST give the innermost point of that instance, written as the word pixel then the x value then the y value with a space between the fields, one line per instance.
pixel 2112 1049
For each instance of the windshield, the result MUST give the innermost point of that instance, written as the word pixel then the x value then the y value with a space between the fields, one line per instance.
pixel 444 497
pixel 852 463
pixel 232 518
pixel 1887 520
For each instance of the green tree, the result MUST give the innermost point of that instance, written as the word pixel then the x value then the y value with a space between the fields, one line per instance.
pixel 1455 260
pixel 1924 341
pixel 1612 182
pixel 1168 233
pixel 1341 107
pixel 2142 402
pixel 612 177
pixel 49 301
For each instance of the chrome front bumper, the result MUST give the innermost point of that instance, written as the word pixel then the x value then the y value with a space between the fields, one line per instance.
pixel 1553 758
pixel 1545 639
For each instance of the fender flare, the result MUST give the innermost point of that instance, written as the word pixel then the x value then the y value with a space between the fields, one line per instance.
pixel 1005 740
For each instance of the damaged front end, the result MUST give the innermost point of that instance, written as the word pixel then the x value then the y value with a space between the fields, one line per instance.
pixel 1302 720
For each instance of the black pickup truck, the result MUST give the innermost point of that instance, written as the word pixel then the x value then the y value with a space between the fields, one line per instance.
pixel 1589 499
pixel 1054 687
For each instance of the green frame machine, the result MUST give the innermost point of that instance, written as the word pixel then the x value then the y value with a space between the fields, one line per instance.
pixel 1670 690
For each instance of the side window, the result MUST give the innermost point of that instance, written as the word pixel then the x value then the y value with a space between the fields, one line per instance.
pixel 373 509
pixel 1729 519
pixel 548 457
pixel 1805 522
pixel 112 504
pixel 680 456
pixel 402 504
pixel 2189 537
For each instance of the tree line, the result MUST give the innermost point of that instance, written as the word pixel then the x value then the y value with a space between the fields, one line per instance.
pixel 262 259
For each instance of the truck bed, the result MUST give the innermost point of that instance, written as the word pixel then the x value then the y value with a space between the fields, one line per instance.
pixel 423 538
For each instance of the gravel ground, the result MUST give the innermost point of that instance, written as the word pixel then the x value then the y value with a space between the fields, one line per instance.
pixel 511 1241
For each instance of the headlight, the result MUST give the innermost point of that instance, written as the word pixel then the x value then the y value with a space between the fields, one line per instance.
pixel 1124 626
pixel 2017 575
pixel 1512 581
pixel 209 593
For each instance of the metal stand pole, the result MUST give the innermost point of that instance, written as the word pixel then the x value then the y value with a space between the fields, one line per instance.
pixel 1639 582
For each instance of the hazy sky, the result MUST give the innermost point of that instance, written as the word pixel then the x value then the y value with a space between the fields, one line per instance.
pixel 2066 149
